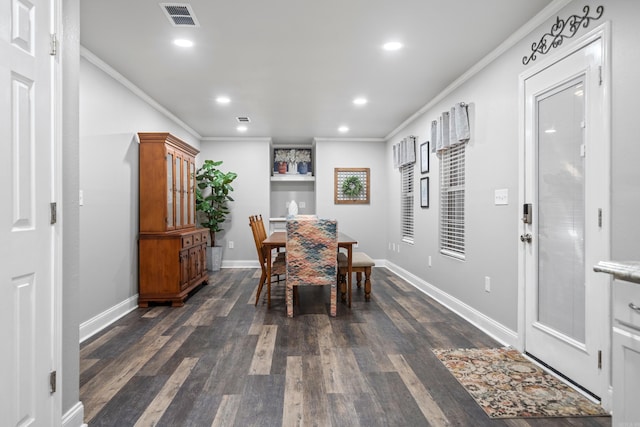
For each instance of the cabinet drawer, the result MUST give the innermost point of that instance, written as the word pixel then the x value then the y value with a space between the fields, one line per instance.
pixel 626 296
pixel 187 241
pixel 204 236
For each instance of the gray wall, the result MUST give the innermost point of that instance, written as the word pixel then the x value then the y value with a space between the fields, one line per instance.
pixel 71 301
pixel 249 158
pixel 110 117
pixel 363 222
pixel 625 135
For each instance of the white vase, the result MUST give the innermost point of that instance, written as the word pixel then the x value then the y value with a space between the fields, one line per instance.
pixel 292 168
pixel 293 208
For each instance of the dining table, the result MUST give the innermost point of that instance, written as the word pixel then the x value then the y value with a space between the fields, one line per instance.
pixel 278 239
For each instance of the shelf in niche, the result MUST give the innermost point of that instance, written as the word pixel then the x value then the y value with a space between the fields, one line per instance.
pixel 293 177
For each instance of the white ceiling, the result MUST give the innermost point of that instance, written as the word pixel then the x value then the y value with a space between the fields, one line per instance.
pixel 294 66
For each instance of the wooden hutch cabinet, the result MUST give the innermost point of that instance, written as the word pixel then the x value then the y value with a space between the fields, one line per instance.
pixel 172 251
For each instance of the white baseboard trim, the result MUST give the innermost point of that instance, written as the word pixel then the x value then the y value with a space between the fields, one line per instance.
pixel 74 417
pixel 496 330
pixel 240 264
pixel 107 317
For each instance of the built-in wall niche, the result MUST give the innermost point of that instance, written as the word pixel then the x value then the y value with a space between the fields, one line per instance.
pixel 283 192
pixel 292 178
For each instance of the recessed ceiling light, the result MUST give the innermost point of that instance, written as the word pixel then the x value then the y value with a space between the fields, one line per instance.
pixel 223 100
pixel 241 128
pixel 360 101
pixel 183 42
pixel 343 129
pixel 392 46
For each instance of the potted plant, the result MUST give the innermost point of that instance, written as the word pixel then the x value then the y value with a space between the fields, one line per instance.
pixel 212 194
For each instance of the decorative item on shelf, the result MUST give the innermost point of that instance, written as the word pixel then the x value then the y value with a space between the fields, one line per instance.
pixel 293 208
pixel 351 185
pixel 212 194
pixel 292 161
pixel 292 166
pixel 303 157
pixel 280 160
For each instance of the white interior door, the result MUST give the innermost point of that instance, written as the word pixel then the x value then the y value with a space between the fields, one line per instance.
pixel 566 174
pixel 27 324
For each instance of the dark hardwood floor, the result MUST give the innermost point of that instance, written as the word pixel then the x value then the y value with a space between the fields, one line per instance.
pixel 220 361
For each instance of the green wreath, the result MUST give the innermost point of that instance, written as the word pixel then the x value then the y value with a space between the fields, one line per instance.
pixel 352 186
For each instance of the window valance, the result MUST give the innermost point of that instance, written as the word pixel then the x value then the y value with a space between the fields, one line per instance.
pixel 451 128
pixel 404 152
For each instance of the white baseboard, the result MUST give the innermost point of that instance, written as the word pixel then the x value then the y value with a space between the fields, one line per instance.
pixel 74 417
pixel 107 317
pixel 496 330
pixel 240 264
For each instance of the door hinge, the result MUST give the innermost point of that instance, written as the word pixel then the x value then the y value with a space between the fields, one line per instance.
pixel 600 217
pixel 599 359
pixel 53 45
pixel 52 381
pixel 54 213
pixel 600 75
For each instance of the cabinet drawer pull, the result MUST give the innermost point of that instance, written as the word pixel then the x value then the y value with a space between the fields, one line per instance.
pixel 634 307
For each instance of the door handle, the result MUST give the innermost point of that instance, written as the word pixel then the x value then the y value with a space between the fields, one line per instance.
pixel 526 238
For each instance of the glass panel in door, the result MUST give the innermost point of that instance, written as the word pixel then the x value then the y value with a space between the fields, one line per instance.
pixel 192 192
pixel 178 192
pixel 185 191
pixel 170 222
pixel 561 211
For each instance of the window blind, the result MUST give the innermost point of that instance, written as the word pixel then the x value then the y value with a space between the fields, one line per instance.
pixel 452 201
pixel 406 214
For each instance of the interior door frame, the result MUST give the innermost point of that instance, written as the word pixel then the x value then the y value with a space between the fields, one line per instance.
pixel 602 32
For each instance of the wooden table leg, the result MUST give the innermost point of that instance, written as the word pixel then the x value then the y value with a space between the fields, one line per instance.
pixel 268 277
pixel 367 283
pixel 349 273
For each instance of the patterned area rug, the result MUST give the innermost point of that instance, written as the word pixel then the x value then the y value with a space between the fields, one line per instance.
pixel 507 385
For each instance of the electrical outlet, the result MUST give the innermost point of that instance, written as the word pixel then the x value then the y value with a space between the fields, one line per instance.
pixel 230 244
pixel 487 284
pixel 303 205
pixel 429 260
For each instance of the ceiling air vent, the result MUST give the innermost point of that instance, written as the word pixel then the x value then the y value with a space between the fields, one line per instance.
pixel 180 14
pixel 243 119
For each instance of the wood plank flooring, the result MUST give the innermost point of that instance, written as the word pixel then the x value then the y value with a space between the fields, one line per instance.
pixel 220 361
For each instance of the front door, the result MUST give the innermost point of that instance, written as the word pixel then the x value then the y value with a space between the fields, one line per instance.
pixel 564 231
pixel 28 257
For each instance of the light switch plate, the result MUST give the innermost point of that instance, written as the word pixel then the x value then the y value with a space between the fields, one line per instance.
pixel 501 197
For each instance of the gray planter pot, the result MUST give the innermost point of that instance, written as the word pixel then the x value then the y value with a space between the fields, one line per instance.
pixel 214 258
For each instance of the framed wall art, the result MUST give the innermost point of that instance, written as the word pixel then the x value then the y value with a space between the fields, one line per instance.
pixel 424 157
pixel 292 161
pixel 352 186
pixel 424 192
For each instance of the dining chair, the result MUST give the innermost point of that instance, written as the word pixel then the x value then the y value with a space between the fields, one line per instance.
pixel 277 266
pixel 311 248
